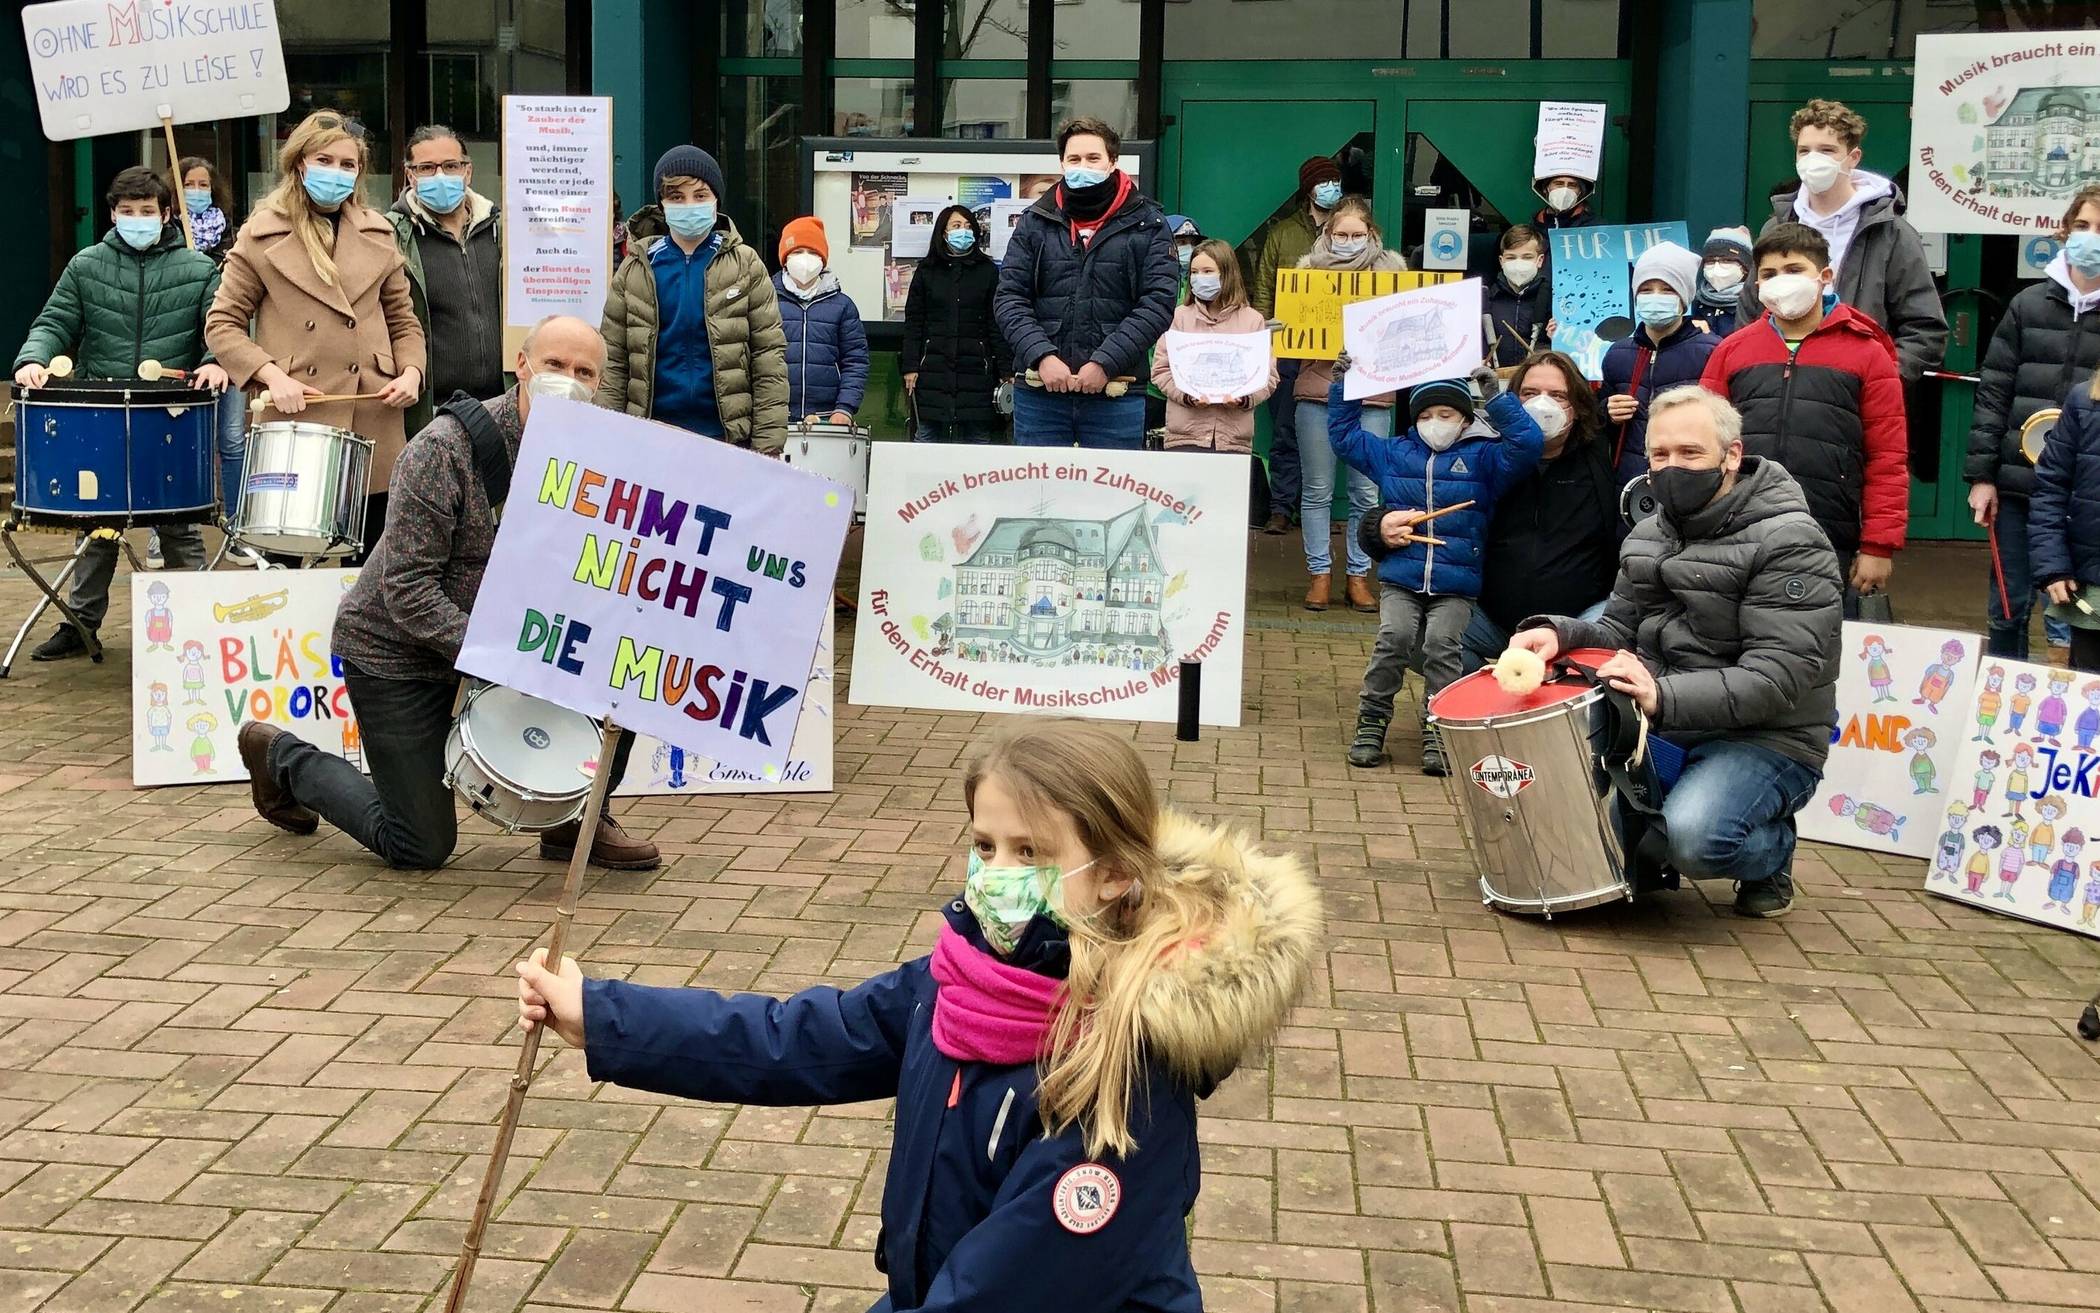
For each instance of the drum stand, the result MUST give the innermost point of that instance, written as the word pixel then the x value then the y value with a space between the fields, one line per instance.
pixel 51 595
pixel 232 546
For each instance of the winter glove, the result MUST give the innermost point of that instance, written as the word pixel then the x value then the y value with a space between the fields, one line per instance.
pixel 1341 364
pixel 1486 381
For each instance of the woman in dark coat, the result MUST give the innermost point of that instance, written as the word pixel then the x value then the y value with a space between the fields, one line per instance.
pixel 2063 527
pixel 953 352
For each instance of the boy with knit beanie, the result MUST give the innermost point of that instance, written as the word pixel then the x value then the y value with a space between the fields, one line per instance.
pixel 827 347
pixel 1429 580
pixel 1723 273
pixel 1666 349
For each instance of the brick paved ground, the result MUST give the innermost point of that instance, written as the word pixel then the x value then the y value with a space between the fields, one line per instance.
pixel 241 1070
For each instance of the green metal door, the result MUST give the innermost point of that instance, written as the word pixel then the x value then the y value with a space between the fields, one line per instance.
pixel 1237 160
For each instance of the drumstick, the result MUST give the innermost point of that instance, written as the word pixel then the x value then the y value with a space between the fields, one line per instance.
pixel 564 913
pixel 60 367
pixel 261 400
pixel 1446 511
pixel 153 371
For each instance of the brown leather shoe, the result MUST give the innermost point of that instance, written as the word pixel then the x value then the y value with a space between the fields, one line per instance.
pixel 1316 596
pixel 613 848
pixel 1361 598
pixel 1278 525
pixel 272 803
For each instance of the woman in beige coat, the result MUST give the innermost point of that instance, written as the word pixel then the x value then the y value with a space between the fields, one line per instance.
pixel 317 273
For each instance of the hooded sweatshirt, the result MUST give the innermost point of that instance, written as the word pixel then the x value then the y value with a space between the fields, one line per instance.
pixel 982 1206
pixel 1881 270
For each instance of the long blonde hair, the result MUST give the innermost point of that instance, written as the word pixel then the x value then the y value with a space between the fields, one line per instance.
pixel 289 198
pixel 1093 777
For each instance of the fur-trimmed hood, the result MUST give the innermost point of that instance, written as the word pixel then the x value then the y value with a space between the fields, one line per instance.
pixel 1226 990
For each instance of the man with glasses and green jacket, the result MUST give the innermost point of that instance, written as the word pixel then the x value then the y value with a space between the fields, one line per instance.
pixel 451 238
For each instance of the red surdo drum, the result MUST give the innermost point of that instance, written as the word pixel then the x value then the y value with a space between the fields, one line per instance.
pixel 1540 807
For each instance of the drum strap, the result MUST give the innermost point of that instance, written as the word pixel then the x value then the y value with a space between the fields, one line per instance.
pixel 1625 738
pixel 491 460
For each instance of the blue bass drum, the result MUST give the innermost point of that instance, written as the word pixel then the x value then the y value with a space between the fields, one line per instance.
pixel 91 453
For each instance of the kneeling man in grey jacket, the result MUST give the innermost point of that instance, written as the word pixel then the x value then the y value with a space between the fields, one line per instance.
pixel 1725 620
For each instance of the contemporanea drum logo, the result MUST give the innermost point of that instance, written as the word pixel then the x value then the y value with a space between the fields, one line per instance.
pixel 1502 777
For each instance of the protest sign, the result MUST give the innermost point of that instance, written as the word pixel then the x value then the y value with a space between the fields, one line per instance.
pixel 100 66
pixel 1445 235
pixel 1902 694
pixel 211 649
pixel 1309 304
pixel 1215 365
pixel 1570 140
pixel 1073 583
pixel 1592 285
pixel 1398 341
pixel 2001 129
pixel 2016 835
pixel 657 768
pixel 674 583
pixel 557 211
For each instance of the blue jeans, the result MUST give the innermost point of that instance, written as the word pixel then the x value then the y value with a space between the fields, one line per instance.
pixel 1066 419
pixel 2008 633
pixel 1484 640
pixel 1730 816
pixel 1285 485
pixel 233 445
pixel 927 431
pixel 1317 462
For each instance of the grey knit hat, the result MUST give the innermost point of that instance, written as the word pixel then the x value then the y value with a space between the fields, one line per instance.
pixel 687 161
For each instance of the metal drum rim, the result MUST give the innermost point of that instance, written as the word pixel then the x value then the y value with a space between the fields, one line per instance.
pixel 463 726
pixel 1588 697
pixel 300 428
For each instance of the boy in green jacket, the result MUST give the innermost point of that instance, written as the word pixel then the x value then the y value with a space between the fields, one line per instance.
pixel 140 293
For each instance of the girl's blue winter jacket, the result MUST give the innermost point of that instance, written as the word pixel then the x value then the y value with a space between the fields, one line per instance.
pixel 827 348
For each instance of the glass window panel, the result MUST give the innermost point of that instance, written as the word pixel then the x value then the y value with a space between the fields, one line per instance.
pixel 872 107
pixel 1105 29
pixel 874 29
pixel 350 82
pixel 1581 29
pixel 757 28
pixel 308 21
pixel 1488 29
pixel 990 29
pixel 1270 29
pixel 1112 100
pixel 984 108
pixel 1885 29
pixel 758 157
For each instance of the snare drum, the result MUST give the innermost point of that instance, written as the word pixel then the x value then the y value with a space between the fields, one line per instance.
pixel 107 453
pixel 1542 810
pixel 520 761
pixel 838 452
pixel 303 490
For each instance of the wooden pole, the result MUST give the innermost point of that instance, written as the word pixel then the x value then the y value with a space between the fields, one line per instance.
pixel 167 125
pixel 507 1129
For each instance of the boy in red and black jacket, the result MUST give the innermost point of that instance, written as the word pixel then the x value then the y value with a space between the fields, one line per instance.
pixel 1817 385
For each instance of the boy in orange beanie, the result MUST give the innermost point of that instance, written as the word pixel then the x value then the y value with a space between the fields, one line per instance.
pixel 827 348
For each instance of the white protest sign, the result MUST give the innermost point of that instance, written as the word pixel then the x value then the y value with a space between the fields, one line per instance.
pixel 675 583
pixel 211 649
pixel 1444 237
pixel 1570 140
pixel 657 768
pixel 557 210
pixel 2001 129
pixel 1407 338
pixel 1072 583
pixel 1902 698
pixel 100 66
pixel 1214 365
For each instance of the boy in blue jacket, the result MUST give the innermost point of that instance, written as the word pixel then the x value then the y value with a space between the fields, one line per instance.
pixel 1429 580
pixel 827 347
pixel 1668 349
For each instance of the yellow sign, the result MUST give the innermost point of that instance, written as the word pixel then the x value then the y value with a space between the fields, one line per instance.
pixel 1309 304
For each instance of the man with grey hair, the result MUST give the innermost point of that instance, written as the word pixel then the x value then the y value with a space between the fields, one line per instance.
pixel 399 629
pixel 1724 625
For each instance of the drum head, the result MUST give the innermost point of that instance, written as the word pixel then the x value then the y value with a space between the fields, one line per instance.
pixel 2034 434
pixel 1478 697
pixel 529 742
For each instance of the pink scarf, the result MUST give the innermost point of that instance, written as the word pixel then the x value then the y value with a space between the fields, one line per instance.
pixel 985 1010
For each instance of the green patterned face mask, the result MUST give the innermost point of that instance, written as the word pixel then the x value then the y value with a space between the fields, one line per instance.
pixel 1004 899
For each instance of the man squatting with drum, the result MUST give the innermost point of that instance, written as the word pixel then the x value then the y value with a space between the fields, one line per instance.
pixel 137 294
pixel 399 632
pixel 1725 620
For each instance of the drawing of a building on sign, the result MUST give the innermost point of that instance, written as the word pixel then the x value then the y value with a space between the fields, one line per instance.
pixel 2045 143
pixel 1062 592
pixel 1410 342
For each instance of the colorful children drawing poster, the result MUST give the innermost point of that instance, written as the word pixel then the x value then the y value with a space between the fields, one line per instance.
pixel 1902 694
pixel 2000 126
pixel 1592 288
pixel 213 649
pixel 1072 583
pixel 873 194
pixel 656 767
pixel 2016 829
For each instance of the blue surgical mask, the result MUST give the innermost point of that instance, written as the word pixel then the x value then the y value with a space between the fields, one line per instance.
pixel 1205 287
pixel 1184 254
pixel 691 218
pixel 1350 248
pixel 960 240
pixel 197 198
pixel 327 187
pixel 1658 309
pixel 1327 195
pixel 441 192
pixel 140 232
pixel 1077 176
pixel 2082 252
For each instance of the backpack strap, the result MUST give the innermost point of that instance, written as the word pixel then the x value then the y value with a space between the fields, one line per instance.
pixel 491 461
